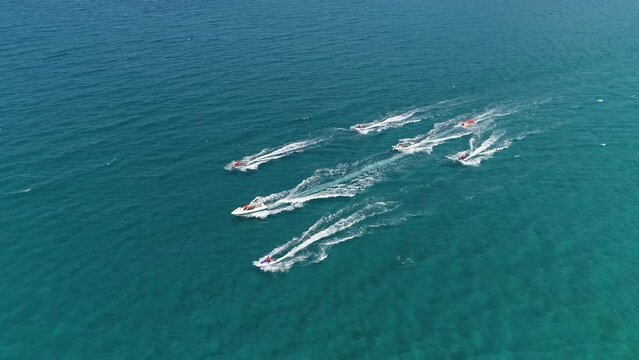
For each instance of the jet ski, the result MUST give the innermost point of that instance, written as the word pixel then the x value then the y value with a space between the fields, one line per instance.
pixel 403 146
pixel 463 156
pixel 263 262
pixel 468 123
pixel 249 209
pixel 361 128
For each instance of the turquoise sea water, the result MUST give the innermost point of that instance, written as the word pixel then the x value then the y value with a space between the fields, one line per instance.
pixel 117 120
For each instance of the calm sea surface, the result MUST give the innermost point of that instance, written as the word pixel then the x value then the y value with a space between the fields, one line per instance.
pixel 120 123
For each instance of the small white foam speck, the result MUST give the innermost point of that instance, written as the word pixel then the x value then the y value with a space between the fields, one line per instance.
pixel 405 261
pixel 599 100
pixel 516 156
pixel 603 144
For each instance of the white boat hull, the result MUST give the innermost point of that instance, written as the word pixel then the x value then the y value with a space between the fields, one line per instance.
pixel 403 148
pixel 241 211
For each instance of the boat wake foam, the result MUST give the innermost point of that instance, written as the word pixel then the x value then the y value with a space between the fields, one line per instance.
pixel 476 154
pixel 252 162
pixel 342 181
pixel 313 244
pixel 388 123
pixel 395 121
pixel 451 129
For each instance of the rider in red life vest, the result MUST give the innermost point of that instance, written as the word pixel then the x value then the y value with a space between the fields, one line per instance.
pixel 469 122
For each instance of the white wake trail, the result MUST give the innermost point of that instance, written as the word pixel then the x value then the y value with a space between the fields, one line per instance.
pixel 313 244
pixel 395 121
pixel 342 181
pixel 475 155
pixel 427 145
pixel 452 129
pixel 252 162
pixel 388 123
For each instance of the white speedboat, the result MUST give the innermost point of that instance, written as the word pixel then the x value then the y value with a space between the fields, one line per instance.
pixel 249 209
pixel 361 128
pixel 403 146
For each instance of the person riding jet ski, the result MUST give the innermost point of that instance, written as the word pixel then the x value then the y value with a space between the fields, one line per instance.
pixel 468 123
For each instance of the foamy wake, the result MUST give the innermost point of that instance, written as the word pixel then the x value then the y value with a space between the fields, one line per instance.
pixel 388 123
pixel 313 244
pixel 252 162
pixel 342 181
pixel 451 129
pixel 395 121
pixel 476 154
pixel 18 192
